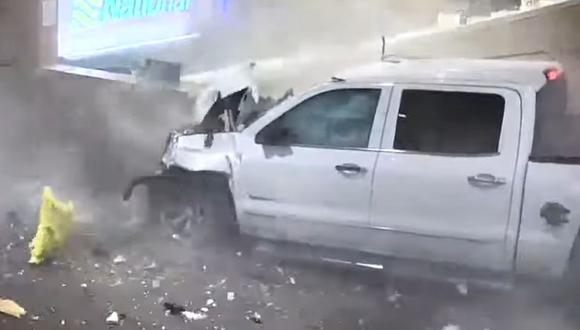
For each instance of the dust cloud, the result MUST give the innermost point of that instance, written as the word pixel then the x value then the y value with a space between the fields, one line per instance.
pixel 87 138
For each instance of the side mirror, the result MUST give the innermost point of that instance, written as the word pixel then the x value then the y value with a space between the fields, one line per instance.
pixel 273 137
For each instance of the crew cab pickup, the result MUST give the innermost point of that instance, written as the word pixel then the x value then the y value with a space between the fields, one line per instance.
pixel 466 162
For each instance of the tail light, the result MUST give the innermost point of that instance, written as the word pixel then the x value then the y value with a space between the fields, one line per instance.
pixel 553 74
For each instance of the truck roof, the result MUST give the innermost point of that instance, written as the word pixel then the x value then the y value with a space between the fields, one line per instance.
pixel 528 73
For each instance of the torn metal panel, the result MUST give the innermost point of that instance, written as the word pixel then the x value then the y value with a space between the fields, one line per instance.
pixel 189 152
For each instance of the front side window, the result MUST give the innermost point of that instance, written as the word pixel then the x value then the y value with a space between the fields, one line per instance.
pixel 339 118
pixel 449 122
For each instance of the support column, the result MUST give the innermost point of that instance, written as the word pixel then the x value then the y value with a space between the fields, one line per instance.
pixel 28 34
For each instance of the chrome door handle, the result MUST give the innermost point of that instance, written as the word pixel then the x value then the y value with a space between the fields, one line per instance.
pixel 485 180
pixel 350 169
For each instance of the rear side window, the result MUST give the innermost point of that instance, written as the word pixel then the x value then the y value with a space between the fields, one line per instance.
pixel 557 126
pixel 449 122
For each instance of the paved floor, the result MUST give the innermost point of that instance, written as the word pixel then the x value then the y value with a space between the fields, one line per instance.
pixel 189 271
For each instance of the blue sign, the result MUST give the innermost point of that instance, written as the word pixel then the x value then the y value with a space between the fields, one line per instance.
pixel 91 13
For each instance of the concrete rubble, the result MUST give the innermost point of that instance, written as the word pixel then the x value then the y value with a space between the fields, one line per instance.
pixel 120 259
pixel 113 319
pixel 144 277
pixel 254 317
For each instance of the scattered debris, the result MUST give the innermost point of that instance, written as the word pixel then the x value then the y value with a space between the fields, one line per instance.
pixel 218 283
pixel 230 296
pixel 194 316
pixel 394 297
pixel 462 289
pixel 119 260
pixel 280 270
pixel 256 318
pixel 155 284
pixel 114 318
pixel 11 308
pixel 151 266
pixel 371 266
pixel 116 283
pixel 451 327
pixel 54 224
pixel 173 309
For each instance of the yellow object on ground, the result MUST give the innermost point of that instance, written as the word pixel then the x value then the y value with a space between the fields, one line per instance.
pixel 54 223
pixel 11 308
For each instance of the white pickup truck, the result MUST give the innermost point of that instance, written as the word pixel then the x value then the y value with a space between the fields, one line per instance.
pixel 471 163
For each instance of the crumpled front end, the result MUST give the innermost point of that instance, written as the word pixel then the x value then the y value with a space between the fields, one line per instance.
pixel 192 153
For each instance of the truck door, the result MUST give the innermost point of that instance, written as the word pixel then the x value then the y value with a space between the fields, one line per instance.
pixel 308 173
pixel 444 176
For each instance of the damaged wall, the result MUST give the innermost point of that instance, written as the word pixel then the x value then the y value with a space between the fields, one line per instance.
pixel 17 36
pixel 87 137
pixel 24 41
pixel 549 33
pixel 254 29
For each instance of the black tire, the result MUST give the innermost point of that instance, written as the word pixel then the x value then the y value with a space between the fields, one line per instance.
pixel 218 205
pixel 204 197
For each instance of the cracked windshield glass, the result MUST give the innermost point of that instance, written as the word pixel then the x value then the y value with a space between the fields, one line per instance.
pixel 287 165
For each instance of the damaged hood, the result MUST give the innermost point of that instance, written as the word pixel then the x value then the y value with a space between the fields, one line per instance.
pixel 189 152
pixel 209 87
